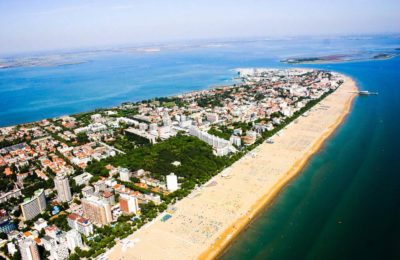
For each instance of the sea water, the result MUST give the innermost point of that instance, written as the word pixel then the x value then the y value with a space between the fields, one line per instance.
pixel 345 204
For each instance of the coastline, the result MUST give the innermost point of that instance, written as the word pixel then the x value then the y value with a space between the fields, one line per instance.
pixel 207 223
pixel 229 235
pixel 335 61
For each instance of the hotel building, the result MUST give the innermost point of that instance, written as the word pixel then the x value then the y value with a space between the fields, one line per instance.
pixel 31 207
pixel 172 182
pixel 96 210
pixel 128 204
pixel 74 239
pixel 63 190
pixel 82 225
pixel 28 249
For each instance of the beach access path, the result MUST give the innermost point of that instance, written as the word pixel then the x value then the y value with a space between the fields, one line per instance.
pixel 205 222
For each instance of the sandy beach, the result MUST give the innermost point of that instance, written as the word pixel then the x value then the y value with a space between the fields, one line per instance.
pixel 207 221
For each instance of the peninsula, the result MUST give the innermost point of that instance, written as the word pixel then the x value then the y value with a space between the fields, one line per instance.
pixel 167 178
pixel 338 58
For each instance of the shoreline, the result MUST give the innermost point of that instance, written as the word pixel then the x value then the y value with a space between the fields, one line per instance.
pixel 322 62
pixel 206 223
pixel 231 233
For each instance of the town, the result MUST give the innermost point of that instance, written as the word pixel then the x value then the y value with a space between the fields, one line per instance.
pixel 74 186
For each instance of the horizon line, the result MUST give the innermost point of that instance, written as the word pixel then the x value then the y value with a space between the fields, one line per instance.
pixel 144 44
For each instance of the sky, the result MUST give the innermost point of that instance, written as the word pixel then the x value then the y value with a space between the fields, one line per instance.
pixel 35 25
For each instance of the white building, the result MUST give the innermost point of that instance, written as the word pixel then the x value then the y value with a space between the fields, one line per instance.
pixel 74 239
pixel 143 126
pixel 96 127
pixel 95 117
pixel 15 193
pixel 124 174
pixel 28 249
pixel 167 121
pixel 140 133
pixel 11 248
pixel 40 224
pixel 83 179
pixel 287 111
pixel 186 124
pixel 153 127
pixel 61 183
pixel 235 140
pixel 176 163
pixel 172 182
pixel 99 186
pixel 31 207
pixel 221 146
pixel 182 118
pixel 59 251
pixel 129 204
pixel 87 191
pixel 80 224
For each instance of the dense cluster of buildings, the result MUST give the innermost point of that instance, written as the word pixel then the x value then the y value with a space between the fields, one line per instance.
pixel 52 155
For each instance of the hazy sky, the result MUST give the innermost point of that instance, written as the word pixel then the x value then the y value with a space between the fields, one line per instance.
pixel 52 24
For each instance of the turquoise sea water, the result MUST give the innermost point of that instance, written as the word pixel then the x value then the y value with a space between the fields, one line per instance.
pixel 346 202
pixel 34 93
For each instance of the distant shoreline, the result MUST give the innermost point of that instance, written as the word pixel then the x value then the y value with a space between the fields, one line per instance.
pixel 15 65
pixel 337 59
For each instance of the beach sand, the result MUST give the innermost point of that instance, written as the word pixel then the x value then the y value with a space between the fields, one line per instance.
pixel 207 221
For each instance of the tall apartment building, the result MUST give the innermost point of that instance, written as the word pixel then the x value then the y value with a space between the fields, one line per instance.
pixel 97 210
pixel 172 182
pixel 59 251
pixel 31 207
pixel 61 184
pixel 74 239
pixel 128 204
pixel 28 249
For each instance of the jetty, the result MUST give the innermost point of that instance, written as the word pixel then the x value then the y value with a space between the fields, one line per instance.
pixel 366 92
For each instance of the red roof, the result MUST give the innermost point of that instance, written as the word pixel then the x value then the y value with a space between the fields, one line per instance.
pixel 83 220
pixel 107 194
pixel 73 216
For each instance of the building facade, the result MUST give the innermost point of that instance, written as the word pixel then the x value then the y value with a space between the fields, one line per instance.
pixel 96 210
pixel 74 239
pixel 28 249
pixel 61 184
pixel 82 225
pixel 172 182
pixel 31 207
pixel 129 204
pixel 6 223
